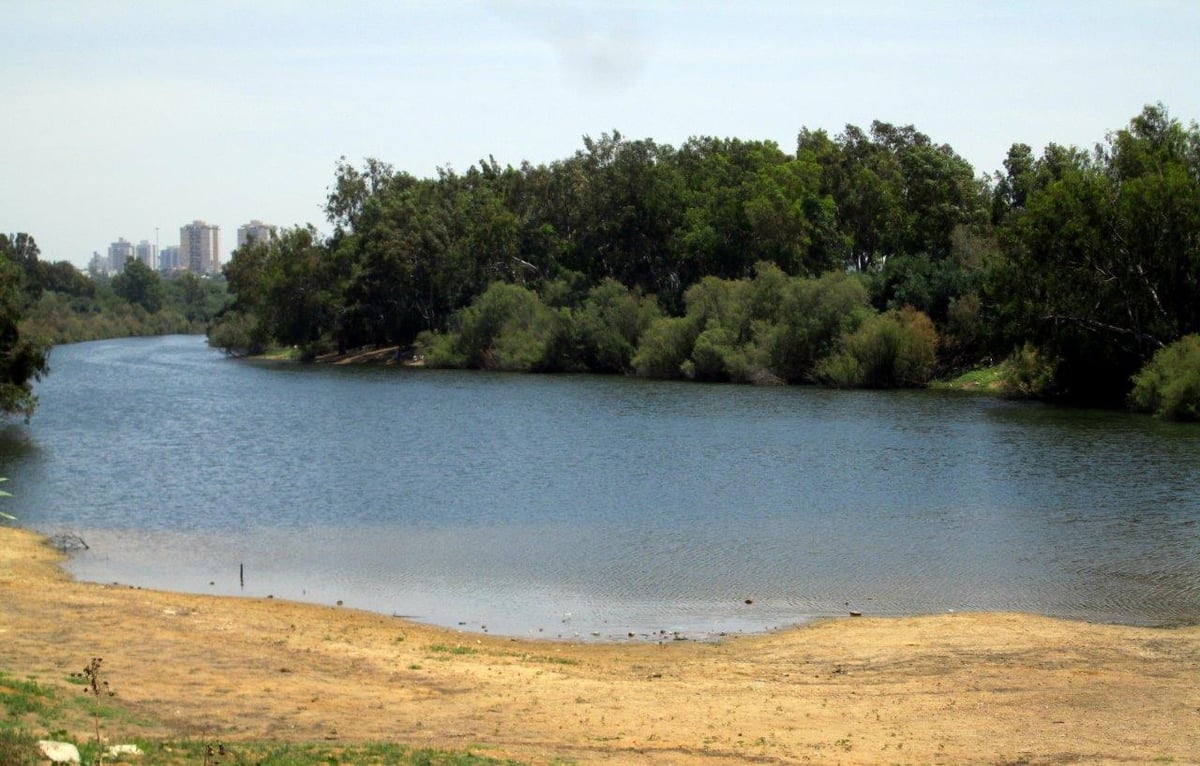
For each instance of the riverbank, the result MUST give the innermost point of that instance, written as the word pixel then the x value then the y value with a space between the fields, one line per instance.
pixel 968 688
pixel 980 380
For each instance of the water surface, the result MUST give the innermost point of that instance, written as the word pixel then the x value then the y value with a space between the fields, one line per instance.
pixel 581 505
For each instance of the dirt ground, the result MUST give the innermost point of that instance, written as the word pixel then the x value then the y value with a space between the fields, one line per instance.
pixel 953 689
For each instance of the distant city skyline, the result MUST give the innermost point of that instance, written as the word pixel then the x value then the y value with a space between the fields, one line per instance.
pixel 253 105
pixel 198 249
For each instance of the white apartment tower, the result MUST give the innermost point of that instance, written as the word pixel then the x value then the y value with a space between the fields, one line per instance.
pixel 146 252
pixel 255 231
pixel 200 247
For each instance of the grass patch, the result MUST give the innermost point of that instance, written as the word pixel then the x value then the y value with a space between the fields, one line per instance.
pixel 456 649
pixel 266 754
pixel 17 748
pixel 22 698
pixel 20 749
pixel 984 379
pixel 280 354
pixel 30 711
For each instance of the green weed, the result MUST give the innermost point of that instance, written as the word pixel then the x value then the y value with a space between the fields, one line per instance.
pixel 17 748
pixel 456 649
pixel 22 698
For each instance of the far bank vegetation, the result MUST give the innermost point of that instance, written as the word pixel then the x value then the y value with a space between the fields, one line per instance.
pixel 873 258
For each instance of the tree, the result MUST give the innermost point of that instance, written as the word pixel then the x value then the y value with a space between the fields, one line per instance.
pixel 1013 186
pixel 22 361
pixel 396 259
pixel 893 192
pixel 813 316
pixel 191 295
pixel 286 292
pixel 241 328
pixel 631 208
pixel 63 277
pixel 21 250
pixel 352 188
pixel 139 284
pixel 864 179
pixel 790 219
pixel 1102 263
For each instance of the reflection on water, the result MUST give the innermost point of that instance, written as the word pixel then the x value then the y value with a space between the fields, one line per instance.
pixel 563 505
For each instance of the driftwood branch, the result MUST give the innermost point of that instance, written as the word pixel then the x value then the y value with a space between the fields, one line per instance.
pixel 69 541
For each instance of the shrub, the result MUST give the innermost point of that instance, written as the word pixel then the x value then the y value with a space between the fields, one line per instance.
pixel 506 328
pixel 440 350
pixel 813 315
pixel 1169 384
pixel 709 353
pixel 765 294
pixel 1028 373
pixel 917 352
pixel 237 333
pixel 563 345
pixel 521 350
pixel 610 325
pixel 892 350
pixel 720 301
pixel 665 346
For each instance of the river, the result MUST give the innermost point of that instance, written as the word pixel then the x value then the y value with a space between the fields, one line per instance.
pixel 598 507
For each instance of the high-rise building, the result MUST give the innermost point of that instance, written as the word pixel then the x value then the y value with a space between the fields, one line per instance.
pixel 117 253
pixel 168 259
pixel 98 266
pixel 200 247
pixel 146 252
pixel 255 231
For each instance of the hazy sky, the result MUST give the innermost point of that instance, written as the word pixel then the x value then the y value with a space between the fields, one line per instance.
pixel 120 118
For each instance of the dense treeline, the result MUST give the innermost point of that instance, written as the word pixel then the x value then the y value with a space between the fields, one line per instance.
pixel 871 258
pixel 407 253
pixel 138 301
pixel 42 304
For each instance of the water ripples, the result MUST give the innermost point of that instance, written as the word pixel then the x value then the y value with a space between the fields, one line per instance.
pixel 510 501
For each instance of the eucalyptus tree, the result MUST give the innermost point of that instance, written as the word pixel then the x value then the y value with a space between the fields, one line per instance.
pixel 1102 263
pixel 631 207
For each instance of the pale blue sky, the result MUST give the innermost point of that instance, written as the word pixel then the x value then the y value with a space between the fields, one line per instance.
pixel 120 117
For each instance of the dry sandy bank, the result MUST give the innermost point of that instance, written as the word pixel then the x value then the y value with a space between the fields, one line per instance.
pixel 965 688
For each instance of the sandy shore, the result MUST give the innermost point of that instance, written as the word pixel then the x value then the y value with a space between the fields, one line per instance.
pixel 965 688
